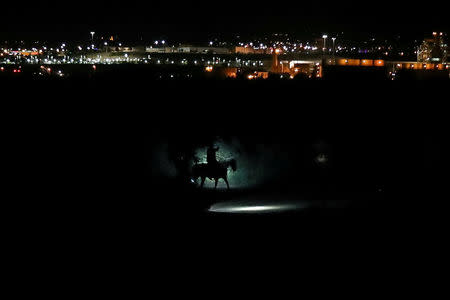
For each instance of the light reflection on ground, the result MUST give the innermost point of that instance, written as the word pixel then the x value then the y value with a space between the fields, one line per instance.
pixel 254 207
pixel 276 203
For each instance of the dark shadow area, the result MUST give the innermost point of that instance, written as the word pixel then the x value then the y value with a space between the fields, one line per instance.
pixel 352 157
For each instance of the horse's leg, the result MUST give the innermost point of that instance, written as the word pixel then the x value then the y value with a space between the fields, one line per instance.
pixel 203 181
pixel 226 181
pixel 215 184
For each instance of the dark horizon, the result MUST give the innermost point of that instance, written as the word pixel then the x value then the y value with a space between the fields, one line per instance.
pixel 202 20
pixel 195 32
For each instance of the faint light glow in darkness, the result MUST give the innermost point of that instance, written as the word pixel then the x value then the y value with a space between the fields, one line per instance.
pixel 250 171
pixel 230 207
pixel 254 167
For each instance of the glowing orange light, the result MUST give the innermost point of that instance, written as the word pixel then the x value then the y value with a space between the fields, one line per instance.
pixel 209 69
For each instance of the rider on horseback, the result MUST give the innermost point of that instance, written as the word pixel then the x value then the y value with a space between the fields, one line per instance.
pixel 213 169
pixel 211 156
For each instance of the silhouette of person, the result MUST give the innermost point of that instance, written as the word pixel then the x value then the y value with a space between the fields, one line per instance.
pixel 211 156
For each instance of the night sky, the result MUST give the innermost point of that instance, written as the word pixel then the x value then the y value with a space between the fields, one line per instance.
pixel 192 21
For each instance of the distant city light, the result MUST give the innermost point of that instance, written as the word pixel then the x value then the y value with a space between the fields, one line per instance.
pixel 251 54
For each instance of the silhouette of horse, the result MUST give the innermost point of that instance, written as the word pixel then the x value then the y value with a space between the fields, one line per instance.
pixel 215 171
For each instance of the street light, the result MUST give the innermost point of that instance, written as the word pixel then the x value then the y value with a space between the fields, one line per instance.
pixel 324 41
pixel 92 36
pixel 334 50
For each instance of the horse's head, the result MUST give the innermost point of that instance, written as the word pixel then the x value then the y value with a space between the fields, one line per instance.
pixel 233 165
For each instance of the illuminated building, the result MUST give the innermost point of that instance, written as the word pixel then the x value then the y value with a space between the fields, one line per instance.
pixel 433 49
pixel 250 50
pixel 188 49
pixel 230 72
pixel 360 62
pixel 125 49
pixel 276 66
pixel 307 68
pixel 258 75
